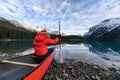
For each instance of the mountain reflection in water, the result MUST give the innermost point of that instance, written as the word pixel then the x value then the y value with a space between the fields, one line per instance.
pixel 103 53
pixel 14 46
pixel 10 49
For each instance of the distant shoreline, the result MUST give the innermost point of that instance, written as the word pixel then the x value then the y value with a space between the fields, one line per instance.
pixel 16 39
pixel 32 39
pixel 61 39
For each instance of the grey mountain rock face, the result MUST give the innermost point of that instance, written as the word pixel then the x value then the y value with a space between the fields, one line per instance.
pixel 13 24
pixel 108 29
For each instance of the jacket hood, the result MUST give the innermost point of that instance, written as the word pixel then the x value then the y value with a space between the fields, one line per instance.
pixel 41 36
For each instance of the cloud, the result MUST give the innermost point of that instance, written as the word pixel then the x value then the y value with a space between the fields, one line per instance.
pixel 76 16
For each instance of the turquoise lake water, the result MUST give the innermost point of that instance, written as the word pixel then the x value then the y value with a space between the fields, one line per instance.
pixel 103 53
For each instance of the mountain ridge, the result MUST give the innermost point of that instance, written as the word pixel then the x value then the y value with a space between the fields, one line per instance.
pixel 12 29
pixel 108 29
pixel 13 24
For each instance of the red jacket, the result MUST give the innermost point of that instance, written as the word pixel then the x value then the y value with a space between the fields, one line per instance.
pixel 41 42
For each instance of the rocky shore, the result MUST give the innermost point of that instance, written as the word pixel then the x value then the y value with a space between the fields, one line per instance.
pixel 80 71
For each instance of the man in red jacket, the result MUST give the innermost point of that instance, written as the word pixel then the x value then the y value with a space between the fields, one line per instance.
pixel 41 42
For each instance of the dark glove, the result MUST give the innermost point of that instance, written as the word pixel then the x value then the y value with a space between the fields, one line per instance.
pixel 59 36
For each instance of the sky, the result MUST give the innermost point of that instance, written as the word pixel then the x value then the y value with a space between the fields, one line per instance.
pixel 76 16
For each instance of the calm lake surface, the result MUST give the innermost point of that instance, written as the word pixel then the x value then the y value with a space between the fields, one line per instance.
pixel 103 53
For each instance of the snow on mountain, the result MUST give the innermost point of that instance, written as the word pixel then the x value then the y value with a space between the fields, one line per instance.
pixel 13 24
pixel 107 29
pixel 37 28
pixel 23 25
pixel 109 23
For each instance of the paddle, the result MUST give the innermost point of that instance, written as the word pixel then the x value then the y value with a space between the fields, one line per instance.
pixel 60 53
pixel 18 63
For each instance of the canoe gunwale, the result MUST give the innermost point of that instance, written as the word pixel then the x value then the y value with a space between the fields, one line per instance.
pixel 17 72
pixel 46 57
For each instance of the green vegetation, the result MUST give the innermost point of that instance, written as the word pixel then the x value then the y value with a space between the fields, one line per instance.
pixel 69 37
pixel 7 33
pixel 72 37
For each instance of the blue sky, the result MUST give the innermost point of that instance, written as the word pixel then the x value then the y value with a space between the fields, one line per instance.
pixel 76 16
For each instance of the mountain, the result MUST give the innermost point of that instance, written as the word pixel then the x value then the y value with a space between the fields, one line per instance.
pixel 11 29
pixel 13 24
pixel 108 29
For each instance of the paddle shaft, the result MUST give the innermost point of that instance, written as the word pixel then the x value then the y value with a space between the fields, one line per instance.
pixel 59 27
pixel 60 34
pixel 18 63
pixel 60 53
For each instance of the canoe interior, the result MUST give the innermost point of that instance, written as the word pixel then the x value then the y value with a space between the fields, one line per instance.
pixel 17 72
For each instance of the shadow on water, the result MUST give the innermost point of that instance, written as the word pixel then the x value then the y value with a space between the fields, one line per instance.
pixel 14 46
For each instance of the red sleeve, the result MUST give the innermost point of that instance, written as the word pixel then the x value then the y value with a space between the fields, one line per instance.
pixel 52 41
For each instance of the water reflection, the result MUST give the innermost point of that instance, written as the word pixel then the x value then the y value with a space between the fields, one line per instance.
pixel 103 53
pixel 60 56
pixel 104 46
pixel 14 46
pixel 108 50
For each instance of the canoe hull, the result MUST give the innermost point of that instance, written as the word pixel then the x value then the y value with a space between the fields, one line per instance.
pixel 41 70
pixel 18 72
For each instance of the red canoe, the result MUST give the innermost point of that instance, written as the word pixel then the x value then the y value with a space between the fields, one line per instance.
pixel 18 72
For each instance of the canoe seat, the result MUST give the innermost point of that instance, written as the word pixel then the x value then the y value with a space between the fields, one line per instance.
pixel 44 56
